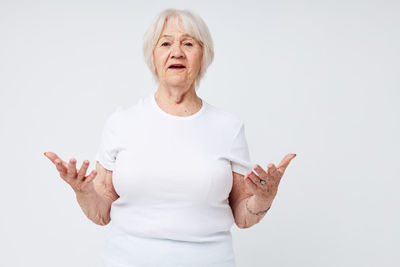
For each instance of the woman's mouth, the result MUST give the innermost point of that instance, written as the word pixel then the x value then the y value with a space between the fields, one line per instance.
pixel 177 66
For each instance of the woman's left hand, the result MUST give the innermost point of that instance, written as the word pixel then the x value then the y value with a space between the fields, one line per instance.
pixel 272 177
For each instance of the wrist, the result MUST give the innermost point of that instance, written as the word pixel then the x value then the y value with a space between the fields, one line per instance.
pixel 260 202
pixel 257 206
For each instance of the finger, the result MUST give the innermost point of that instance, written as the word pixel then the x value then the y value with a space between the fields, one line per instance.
pixel 91 176
pixel 256 179
pixel 261 172
pixel 53 157
pixel 285 162
pixel 250 183
pixel 82 170
pixel 60 167
pixel 272 171
pixel 71 171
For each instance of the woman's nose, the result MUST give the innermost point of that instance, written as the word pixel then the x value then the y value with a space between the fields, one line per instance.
pixel 177 51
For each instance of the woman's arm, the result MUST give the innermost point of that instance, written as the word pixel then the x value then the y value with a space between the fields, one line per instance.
pixel 94 192
pixel 96 204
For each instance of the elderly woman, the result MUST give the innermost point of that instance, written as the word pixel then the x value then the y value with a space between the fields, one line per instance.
pixel 173 172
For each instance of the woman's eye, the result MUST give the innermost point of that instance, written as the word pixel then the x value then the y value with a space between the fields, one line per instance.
pixel 166 44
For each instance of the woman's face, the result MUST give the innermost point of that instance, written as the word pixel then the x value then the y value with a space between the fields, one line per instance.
pixel 175 46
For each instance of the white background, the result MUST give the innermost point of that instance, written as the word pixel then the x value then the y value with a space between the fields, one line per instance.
pixel 315 78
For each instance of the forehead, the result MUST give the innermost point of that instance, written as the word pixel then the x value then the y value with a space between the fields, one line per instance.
pixel 174 26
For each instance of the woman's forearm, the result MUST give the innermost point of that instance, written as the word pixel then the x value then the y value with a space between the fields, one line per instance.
pixel 95 206
pixel 255 205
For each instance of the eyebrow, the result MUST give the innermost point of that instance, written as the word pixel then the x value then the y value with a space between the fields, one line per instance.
pixel 183 35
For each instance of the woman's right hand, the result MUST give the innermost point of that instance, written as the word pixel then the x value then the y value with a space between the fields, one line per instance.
pixel 76 179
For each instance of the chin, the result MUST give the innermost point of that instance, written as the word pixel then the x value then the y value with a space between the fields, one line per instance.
pixel 176 81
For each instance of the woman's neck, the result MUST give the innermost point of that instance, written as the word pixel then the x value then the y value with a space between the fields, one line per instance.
pixel 178 101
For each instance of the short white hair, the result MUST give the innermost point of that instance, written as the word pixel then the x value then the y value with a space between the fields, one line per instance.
pixel 193 24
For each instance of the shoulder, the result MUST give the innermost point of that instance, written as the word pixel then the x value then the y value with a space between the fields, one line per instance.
pixel 225 118
pixel 122 112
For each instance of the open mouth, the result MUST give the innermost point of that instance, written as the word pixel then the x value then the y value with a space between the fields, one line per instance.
pixel 177 66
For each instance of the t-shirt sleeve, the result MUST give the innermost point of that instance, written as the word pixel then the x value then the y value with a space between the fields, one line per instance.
pixel 108 149
pixel 239 154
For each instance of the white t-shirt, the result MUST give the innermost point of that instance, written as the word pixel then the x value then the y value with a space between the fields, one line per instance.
pixel 173 175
